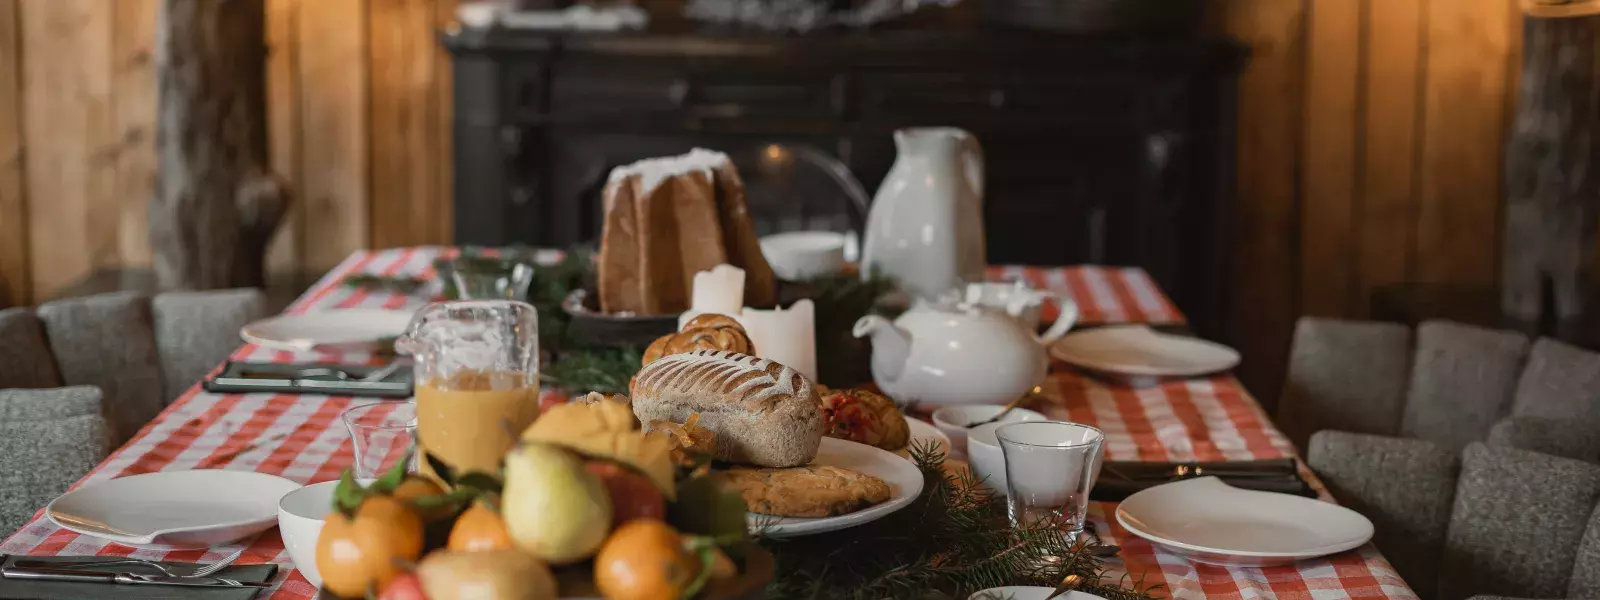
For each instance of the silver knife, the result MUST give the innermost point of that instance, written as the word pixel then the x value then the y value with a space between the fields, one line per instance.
pixel 42 574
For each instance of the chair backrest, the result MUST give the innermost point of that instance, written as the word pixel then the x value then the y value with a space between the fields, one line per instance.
pixel 25 357
pixel 1452 387
pixel 49 438
pixel 196 331
pixel 1498 520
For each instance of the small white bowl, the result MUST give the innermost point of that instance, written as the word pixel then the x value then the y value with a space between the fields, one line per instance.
pixel 802 255
pixel 953 420
pixel 989 461
pixel 300 517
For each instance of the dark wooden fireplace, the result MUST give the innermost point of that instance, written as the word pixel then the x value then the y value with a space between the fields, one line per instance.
pixel 1099 149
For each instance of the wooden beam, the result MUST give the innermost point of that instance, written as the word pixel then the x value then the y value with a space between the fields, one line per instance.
pixel 1330 151
pixel 1468 61
pixel 1386 220
pixel 333 116
pixel 72 146
pixel 1265 263
pixel 14 277
pixel 134 80
pixel 283 128
pixel 405 124
pixel 444 15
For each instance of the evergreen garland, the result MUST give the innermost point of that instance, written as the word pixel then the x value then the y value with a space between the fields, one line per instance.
pixel 951 541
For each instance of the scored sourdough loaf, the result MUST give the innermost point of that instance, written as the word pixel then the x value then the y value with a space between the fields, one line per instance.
pixel 763 413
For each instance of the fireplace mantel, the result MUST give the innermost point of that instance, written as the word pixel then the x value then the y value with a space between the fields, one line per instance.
pixel 1114 150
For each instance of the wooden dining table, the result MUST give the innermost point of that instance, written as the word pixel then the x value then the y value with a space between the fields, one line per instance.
pixel 298 436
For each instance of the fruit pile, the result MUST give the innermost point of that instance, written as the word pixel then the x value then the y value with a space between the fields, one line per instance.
pixel 586 504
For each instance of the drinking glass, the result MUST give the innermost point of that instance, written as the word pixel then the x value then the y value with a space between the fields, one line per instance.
pixel 381 434
pixel 482 278
pixel 1050 468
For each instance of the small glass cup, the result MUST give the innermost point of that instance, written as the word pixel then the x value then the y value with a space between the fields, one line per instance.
pixel 1050 468
pixel 482 278
pixel 381 435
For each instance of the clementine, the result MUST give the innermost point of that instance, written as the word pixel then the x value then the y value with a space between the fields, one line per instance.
pixel 479 529
pixel 357 553
pixel 644 559
pixel 417 486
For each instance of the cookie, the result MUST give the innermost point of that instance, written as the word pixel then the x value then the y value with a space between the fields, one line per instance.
pixel 809 491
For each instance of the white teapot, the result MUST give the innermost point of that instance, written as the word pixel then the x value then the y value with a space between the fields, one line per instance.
pixel 952 352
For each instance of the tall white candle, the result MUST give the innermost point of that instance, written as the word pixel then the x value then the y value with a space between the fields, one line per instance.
pixel 719 290
pixel 787 337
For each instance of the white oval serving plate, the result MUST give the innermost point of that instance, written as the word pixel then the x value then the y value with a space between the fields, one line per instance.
pixel 1211 522
pixel 174 509
pixel 903 477
pixel 1140 351
pixel 351 329
pixel 924 432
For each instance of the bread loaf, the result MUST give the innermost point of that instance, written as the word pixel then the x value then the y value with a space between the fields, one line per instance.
pixel 763 413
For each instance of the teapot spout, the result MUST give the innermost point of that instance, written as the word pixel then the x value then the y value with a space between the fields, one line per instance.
pixel 891 345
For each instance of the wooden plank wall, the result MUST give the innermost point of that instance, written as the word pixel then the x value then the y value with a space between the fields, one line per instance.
pixel 1370 135
pixel 1369 144
pixel 359 117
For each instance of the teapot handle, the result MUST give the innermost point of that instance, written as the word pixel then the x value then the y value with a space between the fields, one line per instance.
pixel 1067 317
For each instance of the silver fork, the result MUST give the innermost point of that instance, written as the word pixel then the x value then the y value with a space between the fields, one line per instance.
pixel 200 572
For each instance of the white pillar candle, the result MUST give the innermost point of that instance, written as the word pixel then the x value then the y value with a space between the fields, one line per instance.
pixel 719 290
pixel 787 337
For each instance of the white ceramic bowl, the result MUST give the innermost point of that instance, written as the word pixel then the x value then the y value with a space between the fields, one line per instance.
pixel 952 420
pixel 801 255
pixel 300 516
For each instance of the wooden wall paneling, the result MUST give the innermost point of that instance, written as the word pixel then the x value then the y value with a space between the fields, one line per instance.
pixel 14 280
pixel 1330 155
pixel 1265 261
pixel 405 124
pixel 67 119
pixel 1386 219
pixel 1467 65
pixel 283 123
pixel 443 221
pixel 134 89
pixel 332 42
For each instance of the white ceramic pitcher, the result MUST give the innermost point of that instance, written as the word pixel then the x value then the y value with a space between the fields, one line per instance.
pixel 925 229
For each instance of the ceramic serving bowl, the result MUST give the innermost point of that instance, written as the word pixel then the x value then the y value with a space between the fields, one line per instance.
pixel 953 420
pixel 590 327
pixel 802 255
pixel 300 517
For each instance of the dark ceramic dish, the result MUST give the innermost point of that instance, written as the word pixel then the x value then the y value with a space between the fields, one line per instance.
pixel 590 327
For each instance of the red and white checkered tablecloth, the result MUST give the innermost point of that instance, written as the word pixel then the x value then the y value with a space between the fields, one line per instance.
pixel 298 437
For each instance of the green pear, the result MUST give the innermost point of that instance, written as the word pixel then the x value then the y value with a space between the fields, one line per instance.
pixel 554 508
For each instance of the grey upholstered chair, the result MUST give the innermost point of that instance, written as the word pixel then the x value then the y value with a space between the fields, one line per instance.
pixel 140 352
pixel 1487 520
pixel 1451 384
pixel 48 439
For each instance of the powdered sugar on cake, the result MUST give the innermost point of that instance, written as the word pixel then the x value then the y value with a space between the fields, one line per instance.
pixel 716 370
pixel 653 171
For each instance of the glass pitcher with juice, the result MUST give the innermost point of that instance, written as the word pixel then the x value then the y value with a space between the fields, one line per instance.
pixel 477 379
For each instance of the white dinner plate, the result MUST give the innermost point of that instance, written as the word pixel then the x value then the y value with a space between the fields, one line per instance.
pixel 1140 351
pixel 924 432
pixel 338 330
pixel 174 509
pixel 903 477
pixel 1211 522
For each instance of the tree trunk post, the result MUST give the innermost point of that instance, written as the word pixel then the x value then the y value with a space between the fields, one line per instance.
pixel 216 203
pixel 1552 174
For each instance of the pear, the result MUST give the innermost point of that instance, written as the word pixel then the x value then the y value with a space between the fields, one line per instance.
pixel 490 575
pixel 554 508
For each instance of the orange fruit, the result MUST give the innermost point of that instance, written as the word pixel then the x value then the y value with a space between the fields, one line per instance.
pixel 479 529
pixel 356 554
pixel 644 559
pixel 417 486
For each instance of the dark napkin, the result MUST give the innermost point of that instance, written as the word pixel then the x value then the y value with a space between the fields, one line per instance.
pixel 240 377
pixel 28 589
pixel 1120 479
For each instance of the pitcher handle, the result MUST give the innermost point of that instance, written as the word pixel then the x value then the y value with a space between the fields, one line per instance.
pixel 972 161
pixel 1066 317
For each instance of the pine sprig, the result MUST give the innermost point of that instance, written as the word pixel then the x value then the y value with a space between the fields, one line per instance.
pixel 953 540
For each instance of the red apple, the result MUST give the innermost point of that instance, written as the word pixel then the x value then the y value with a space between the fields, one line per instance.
pixel 406 586
pixel 633 496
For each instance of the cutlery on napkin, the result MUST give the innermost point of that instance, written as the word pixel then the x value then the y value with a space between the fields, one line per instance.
pixel 249 575
pixel 387 381
pixel 1120 479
